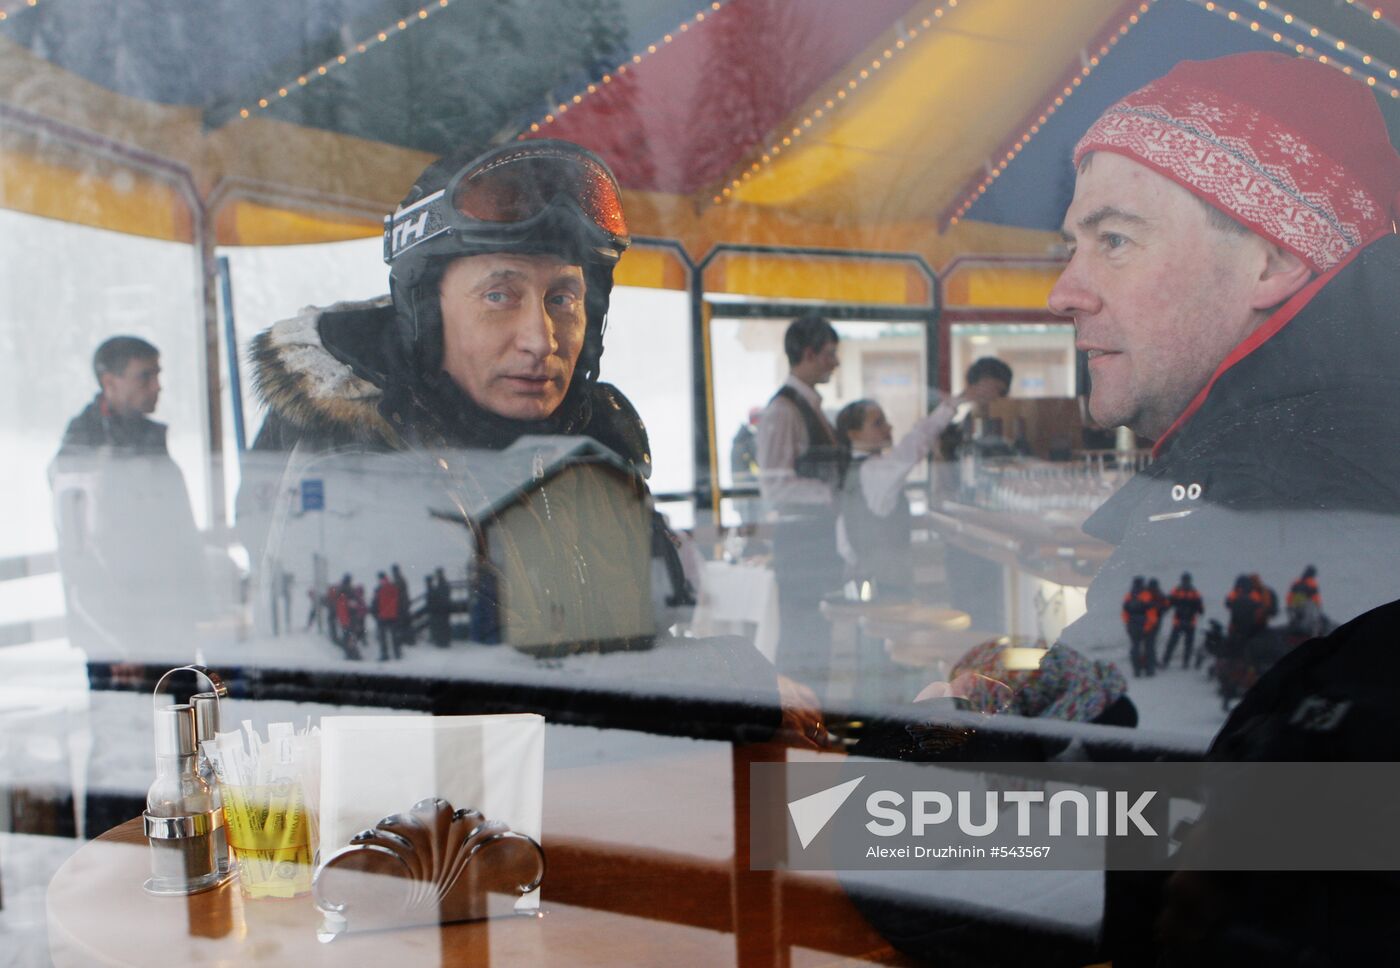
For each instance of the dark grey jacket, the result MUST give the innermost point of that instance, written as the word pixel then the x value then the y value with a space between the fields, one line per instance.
pixel 1290 460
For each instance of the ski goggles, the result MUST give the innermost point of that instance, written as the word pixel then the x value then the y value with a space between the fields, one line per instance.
pixel 513 195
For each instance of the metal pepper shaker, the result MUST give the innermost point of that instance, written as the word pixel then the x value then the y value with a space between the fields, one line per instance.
pixel 206 727
pixel 180 818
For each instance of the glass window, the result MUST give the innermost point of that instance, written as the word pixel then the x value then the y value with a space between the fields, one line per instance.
pixel 271 283
pixel 104 284
pixel 415 538
pixel 1041 355
pixel 883 361
pixel 647 357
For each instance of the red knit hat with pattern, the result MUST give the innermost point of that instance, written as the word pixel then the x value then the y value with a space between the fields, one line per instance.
pixel 1294 150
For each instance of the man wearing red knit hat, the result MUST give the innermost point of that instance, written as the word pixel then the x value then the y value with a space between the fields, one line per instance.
pixel 1234 280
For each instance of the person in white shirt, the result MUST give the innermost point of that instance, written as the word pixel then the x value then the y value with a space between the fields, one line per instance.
pixel 872 531
pixel 793 421
pixel 797 474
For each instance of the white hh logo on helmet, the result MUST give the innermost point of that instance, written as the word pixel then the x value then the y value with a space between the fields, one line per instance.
pixel 408 232
pixel 409 226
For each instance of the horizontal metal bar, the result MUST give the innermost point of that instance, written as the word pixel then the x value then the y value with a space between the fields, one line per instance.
pixel 39 630
pixel 837 311
pixel 27 566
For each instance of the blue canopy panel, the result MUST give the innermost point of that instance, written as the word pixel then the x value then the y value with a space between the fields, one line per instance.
pixel 1035 190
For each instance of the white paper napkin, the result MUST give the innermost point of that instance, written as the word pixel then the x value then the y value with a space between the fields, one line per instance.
pixel 374 766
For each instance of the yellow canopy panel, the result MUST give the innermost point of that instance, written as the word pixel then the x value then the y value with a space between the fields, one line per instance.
pixel 837 279
pixel 89 190
pixel 1000 286
pixel 243 222
pixel 649 267
pixel 910 133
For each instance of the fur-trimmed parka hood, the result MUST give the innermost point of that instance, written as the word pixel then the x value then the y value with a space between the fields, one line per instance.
pixel 308 391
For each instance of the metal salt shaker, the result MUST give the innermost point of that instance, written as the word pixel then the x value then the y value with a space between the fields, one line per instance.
pixel 180 817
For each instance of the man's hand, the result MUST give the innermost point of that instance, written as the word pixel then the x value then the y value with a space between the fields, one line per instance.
pixel 802 716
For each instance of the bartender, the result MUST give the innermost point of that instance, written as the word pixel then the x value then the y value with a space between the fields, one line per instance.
pixel 873 529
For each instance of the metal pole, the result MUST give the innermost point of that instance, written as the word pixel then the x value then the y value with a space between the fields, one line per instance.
pixel 235 383
pixel 209 270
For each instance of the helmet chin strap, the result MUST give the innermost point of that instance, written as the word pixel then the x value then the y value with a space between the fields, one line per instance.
pixel 427 326
pixel 418 322
pixel 598 295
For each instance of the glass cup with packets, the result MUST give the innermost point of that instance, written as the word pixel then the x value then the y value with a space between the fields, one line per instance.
pixel 269 818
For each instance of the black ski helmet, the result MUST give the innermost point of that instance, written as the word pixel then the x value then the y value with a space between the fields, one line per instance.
pixel 538 197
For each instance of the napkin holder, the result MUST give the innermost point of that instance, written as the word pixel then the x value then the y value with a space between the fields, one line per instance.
pixel 431 865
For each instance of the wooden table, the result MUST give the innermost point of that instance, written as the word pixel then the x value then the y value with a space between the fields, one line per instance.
pixel 627 884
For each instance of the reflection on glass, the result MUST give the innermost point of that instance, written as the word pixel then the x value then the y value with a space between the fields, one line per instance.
pixel 884 361
pixel 421 523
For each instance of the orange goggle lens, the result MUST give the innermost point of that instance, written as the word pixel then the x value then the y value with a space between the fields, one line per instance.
pixel 518 186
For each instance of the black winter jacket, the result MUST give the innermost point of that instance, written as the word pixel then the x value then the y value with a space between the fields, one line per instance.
pixel 95 428
pixel 1293 449
pixel 1289 460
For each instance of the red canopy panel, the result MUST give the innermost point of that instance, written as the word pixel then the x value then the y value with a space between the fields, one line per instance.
pixel 682 118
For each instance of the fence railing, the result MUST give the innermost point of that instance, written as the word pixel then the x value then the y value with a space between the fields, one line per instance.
pixel 31 565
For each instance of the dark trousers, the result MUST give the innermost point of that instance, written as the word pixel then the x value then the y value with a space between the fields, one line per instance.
pixel 1137 650
pixel 349 640
pixel 1186 633
pixel 388 632
pixel 807 568
pixel 440 629
pixel 1149 651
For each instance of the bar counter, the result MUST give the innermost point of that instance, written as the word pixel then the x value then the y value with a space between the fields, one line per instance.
pixel 1043 554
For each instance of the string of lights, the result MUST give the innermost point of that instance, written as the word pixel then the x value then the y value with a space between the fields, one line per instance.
pixel 827 106
pixel 1331 50
pixel 320 70
pixel 1072 83
pixel 1371 12
pixel 621 70
pixel 17 9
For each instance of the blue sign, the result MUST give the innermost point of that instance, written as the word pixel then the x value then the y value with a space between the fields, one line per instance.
pixel 313 494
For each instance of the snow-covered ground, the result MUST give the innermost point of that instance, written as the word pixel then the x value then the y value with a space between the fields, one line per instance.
pixel 45 702
pixel 1177 699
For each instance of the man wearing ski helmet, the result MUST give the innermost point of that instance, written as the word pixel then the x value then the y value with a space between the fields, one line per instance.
pixel 500 276
pixel 531 231
pixel 500 272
